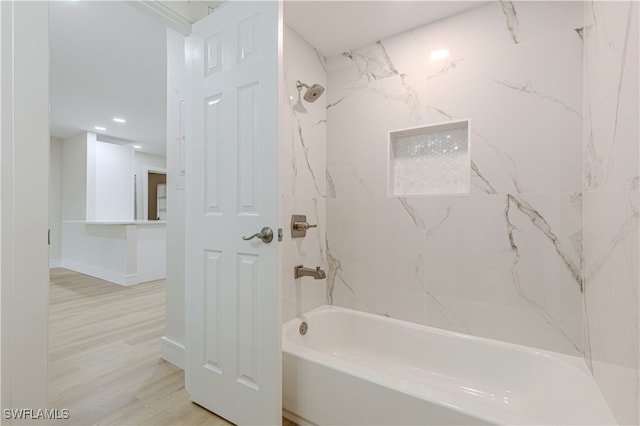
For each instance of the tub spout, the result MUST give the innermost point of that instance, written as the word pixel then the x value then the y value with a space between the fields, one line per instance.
pixel 300 271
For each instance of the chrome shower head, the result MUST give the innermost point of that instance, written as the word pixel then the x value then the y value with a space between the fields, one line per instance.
pixel 312 93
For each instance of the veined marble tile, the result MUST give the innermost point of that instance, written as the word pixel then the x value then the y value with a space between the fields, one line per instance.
pixel 490 27
pixel 376 245
pixel 521 325
pixel 612 265
pixel 610 42
pixel 612 258
pixel 610 131
pixel 510 250
pixel 524 116
pixel 619 385
pixel 611 203
pixel 513 246
pixel 611 95
pixel 558 16
pixel 358 136
pixel 302 176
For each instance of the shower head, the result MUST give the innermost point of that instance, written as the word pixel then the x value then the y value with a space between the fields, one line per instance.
pixel 312 93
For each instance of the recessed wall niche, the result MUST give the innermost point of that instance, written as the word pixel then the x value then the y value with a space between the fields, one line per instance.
pixel 433 159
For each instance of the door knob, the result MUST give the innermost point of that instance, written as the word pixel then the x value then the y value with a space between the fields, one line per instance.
pixel 265 234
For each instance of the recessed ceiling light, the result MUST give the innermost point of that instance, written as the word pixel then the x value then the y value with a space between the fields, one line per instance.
pixel 119 120
pixel 439 54
pixel 102 129
pixel 137 147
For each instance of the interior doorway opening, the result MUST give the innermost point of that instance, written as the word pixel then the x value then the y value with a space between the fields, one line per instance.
pixel 157 196
pixel 154 194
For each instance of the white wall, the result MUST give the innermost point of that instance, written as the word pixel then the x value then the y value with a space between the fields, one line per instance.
pixel 74 178
pixel 24 252
pixel 612 202
pixel 113 182
pixel 150 161
pixel 504 261
pixel 97 179
pixel 55 201
pixel 173 342
pixel 90 178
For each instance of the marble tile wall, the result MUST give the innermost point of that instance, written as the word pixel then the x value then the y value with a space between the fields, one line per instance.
pixel 302 159
pixel 612 202
pixel 504 261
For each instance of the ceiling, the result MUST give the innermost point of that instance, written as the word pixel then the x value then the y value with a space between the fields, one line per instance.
pixel 108 59
pixel 334 27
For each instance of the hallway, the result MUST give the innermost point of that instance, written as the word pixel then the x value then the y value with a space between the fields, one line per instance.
pixel 104 355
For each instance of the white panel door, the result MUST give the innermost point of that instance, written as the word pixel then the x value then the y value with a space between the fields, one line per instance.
pixel 233 336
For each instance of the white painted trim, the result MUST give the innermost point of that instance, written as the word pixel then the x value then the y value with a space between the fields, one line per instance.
pixel 295 419
pixel 54 263
pixel 24 147
pixel 165 14
pixel 173 352
pixel 103 274
pixel 145 187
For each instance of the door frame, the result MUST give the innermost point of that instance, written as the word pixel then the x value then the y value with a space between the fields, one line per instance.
pixel 25 139
pixel 145 187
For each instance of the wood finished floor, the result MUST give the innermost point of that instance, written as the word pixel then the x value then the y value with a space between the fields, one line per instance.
pixel 104 356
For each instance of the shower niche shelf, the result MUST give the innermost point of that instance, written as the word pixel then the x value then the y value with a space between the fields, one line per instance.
pixel 432 159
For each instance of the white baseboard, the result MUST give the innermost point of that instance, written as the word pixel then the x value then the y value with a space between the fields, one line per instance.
pixel 173 352
pixel 54 263
pixel 103 274
pixel 295 418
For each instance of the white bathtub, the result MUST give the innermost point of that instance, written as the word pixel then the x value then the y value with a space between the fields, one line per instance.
pixel 357 368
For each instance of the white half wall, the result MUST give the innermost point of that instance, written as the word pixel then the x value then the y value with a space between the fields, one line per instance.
pixel 102 251
pixel 152 252
pixel 124 253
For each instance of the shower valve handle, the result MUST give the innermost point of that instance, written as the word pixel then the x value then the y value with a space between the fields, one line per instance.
pixel 303 226
pixel 299 225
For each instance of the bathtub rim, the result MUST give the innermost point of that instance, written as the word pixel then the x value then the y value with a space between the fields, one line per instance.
pixel 575 363
pixel 460 403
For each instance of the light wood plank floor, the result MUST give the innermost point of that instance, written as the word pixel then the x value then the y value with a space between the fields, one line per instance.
pixel 104 356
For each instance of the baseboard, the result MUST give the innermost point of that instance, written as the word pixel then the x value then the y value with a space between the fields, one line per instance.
pixel 103 274
pixel 296 419
pixel 173 352
pixel 54 263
